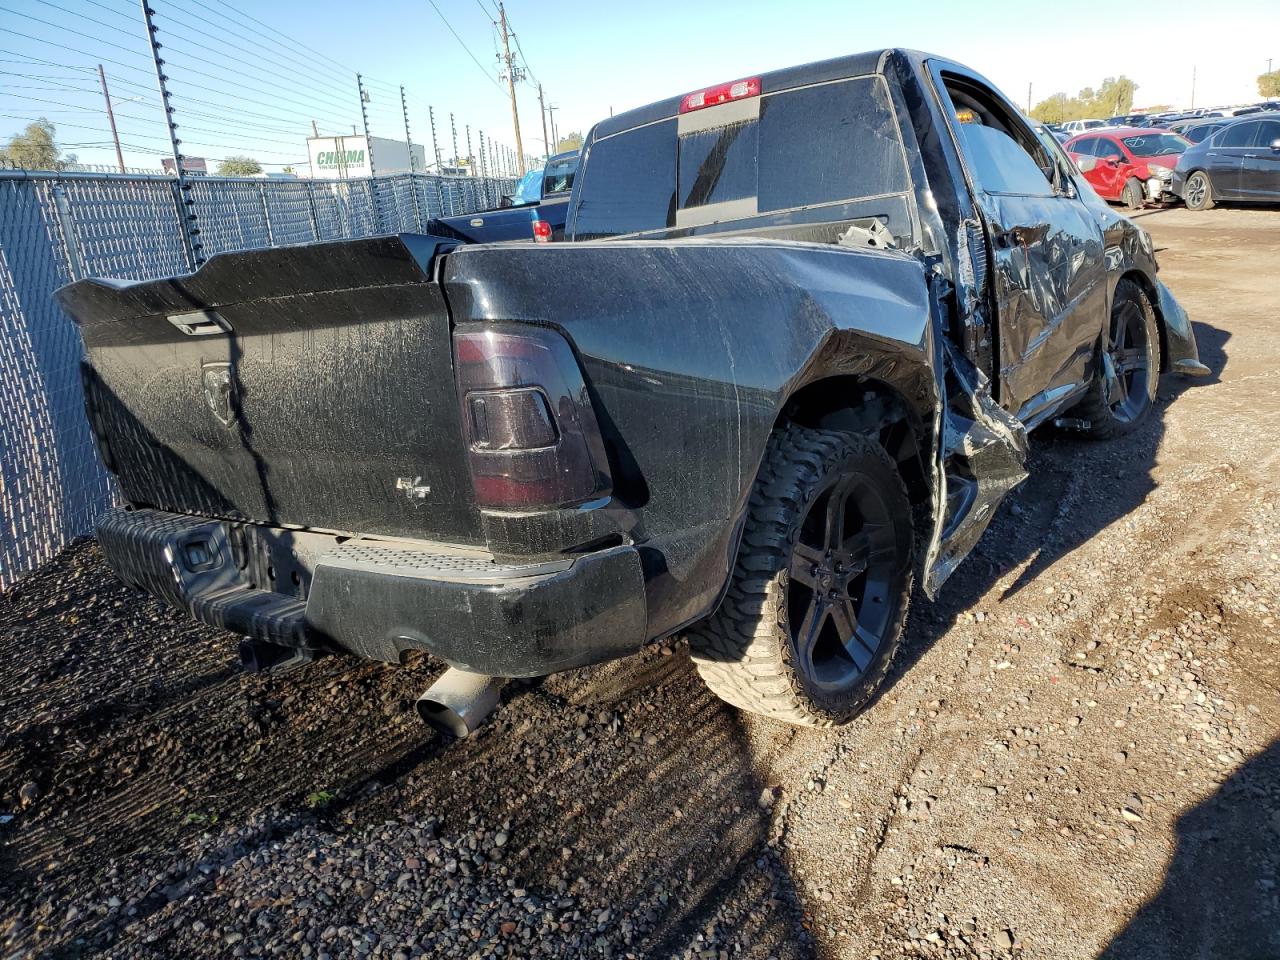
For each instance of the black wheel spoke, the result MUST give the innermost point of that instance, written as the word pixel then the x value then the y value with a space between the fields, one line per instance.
pixel 857 549
pixel 1127 361
pixel 845 619
pixel 834 531
pixel 809 630
pixel 804 562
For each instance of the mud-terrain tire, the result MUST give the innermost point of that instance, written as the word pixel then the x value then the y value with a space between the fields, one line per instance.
pixel 1133 196
pixel 1197 193
pixel 777 644
pixel 1124 389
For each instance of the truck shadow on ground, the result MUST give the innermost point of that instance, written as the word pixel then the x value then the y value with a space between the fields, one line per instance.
pixel 1219 894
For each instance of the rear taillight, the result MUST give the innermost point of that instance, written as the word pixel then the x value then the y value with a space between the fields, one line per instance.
pixel 531 433
pixel 721 93
pixel 541 231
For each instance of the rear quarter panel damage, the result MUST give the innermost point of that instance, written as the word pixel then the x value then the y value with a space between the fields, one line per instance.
pixel 691 349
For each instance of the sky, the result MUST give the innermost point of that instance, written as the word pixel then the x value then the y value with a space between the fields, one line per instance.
pixel 248 77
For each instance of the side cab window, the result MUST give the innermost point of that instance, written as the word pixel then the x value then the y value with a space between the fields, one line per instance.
pixel 1237 135
pixel 1002 153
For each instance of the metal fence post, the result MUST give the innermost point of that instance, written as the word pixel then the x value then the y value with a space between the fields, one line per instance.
pixel 186 205
pixel 266 214
pixel 311 208
pixel 413 167
pixel 70 239
pixel 368 146
pixel 435 148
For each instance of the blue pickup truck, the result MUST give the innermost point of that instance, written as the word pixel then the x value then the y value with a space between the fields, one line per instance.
pixel 536 211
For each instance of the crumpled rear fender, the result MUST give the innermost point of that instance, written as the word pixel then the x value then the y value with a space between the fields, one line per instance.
pixel 692 351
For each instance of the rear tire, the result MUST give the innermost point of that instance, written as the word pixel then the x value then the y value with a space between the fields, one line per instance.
pixel 1133 196
pixel 1197 194
pixel 818 596
pixel 1124 389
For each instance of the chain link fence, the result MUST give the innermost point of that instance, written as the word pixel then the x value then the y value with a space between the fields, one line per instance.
pixel 60 227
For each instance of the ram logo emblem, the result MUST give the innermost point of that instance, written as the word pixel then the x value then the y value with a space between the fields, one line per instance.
pixel 219 391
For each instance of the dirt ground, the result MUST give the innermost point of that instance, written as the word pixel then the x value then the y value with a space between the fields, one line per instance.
pixel 1077 754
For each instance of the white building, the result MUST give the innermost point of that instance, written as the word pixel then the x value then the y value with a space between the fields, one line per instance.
pixel 354 156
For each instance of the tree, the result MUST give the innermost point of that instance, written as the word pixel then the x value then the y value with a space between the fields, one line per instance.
pixel 1114 97
pixel 1269 84
pixel 34 148
pixel 572 141
pixel 239 167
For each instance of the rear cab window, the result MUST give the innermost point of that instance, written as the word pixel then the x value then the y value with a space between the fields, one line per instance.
pixel 558 176
pixel 807 152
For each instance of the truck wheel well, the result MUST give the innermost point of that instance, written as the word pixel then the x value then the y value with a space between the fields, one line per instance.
pixel 1143 281
pixel 871 408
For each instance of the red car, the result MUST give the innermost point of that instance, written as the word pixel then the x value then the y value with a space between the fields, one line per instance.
pixel 1133 165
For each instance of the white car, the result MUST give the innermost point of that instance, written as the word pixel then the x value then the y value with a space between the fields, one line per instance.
pixel 1080 126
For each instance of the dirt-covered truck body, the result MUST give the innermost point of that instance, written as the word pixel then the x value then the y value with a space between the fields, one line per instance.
pixel 786 357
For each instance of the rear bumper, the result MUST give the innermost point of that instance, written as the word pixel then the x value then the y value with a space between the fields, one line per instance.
pixel 380 598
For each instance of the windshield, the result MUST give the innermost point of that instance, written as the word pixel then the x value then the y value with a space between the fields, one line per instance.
pixel 816 146
pixel 1155 144
pixel 529 189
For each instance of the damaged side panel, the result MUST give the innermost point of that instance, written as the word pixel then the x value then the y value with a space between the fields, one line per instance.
pixel 981 457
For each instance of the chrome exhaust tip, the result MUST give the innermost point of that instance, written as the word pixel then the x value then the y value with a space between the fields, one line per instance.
pixel 458 702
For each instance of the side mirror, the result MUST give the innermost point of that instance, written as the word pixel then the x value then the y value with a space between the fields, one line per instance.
pixel 1275 145
pixel 505 202
pixel 1113 160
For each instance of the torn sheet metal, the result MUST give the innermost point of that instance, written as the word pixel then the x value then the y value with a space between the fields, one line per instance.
pixel 982 457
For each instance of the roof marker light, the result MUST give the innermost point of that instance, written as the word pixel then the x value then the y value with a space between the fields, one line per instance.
pixel 720 93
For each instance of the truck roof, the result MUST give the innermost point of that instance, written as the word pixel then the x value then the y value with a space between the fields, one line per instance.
pixel 851 65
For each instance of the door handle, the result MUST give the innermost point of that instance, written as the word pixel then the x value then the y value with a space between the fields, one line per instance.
pixel 1251 156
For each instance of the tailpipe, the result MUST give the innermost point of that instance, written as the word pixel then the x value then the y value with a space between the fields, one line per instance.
pixel 459 701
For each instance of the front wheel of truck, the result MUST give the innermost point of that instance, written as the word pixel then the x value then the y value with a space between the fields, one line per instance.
pixel 818 596
pixel 1124 389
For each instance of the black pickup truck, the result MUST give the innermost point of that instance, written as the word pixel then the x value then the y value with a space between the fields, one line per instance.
pixel 785 362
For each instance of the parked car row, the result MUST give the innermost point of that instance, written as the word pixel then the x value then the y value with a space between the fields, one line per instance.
pixel 1199 161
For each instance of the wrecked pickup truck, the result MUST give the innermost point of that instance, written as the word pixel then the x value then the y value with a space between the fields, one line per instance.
pixel 785 363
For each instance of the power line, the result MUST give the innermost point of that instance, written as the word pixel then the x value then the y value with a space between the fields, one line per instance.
pixel 265 75
pixel 296 43
pixel 81 16
pixel 284 51
pixel 486 73
pixel 66 29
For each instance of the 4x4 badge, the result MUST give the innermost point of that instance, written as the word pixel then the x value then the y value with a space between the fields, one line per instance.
pixel 219 391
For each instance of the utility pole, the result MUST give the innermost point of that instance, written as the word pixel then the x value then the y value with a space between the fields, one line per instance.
pixel 1028 99
pixel 551 112
pixel 111 118
pixel 1193 88
pixel 512 71
pixel 542 112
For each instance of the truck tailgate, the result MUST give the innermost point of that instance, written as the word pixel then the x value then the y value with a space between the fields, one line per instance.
pixel 309 386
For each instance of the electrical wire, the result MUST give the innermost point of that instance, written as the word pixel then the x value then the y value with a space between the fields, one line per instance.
pixel 82 16
pixel 295 43
pixel 287 54
pixel 65 29
pixel 486 73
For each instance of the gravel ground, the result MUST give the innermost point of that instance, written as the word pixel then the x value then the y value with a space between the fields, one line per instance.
pixel 1077 754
